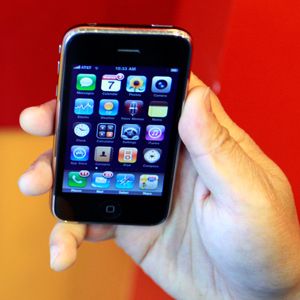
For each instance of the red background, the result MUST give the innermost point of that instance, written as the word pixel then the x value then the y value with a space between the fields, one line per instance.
pixel 248 51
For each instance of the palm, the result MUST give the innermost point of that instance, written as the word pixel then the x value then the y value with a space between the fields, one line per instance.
pixel 174 253
pixel 202 246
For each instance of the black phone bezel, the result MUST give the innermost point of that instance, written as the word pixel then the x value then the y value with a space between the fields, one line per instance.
pixel 95 48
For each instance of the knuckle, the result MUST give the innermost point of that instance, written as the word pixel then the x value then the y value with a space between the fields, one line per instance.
pixel 221 141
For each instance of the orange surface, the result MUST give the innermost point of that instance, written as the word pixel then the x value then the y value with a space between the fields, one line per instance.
pixel 103 271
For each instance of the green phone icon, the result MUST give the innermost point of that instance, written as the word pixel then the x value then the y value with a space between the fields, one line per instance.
pixel 86 82
pixel 75 180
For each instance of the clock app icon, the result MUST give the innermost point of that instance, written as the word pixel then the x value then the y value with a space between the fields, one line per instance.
pixel 82 129
pixel 152 155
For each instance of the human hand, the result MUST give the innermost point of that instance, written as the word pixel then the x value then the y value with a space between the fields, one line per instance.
pixel 232 233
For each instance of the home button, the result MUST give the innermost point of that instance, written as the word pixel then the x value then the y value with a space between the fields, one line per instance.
pixel 110 210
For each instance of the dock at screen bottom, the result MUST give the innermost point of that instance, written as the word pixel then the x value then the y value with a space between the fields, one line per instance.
pixel 84 181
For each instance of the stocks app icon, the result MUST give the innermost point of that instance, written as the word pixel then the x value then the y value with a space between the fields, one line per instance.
pixel 133 107
pixel 84 106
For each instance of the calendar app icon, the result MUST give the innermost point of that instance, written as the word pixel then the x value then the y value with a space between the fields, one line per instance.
pixel 111 82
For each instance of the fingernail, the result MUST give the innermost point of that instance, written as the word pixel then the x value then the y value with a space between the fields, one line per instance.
pixel 54 253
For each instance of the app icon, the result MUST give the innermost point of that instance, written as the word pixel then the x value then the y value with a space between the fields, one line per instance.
pixel 111 82
pixel 108 107
pixel 148 182
pixel 158 109
pixel 133 107
pixel 86 82
pixel 103 154
pixel 155 132
pixel 136 84
pixel 127 155
pixel 84 106
pixel 152 155
pixel 75 180
pixel 106 131
pixel 80 153
pixel 125 181
pixel 161 84
pixel 99 180
pixel 82 129
pixel 130 132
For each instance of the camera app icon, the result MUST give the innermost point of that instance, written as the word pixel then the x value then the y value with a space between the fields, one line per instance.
pixel 161 84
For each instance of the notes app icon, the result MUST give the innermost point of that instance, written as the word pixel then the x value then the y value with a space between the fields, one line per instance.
pixel 158 109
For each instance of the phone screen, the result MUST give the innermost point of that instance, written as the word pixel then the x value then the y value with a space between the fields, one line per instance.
pixel 120 93
pixel 119 124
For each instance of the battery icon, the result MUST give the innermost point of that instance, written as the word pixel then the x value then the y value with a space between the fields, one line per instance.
pixel 174 70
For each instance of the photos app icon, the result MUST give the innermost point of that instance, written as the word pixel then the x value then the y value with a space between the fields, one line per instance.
pixel 136 84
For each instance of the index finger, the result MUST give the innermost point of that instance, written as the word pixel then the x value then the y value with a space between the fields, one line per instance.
pixel 39 120
pixel 195 81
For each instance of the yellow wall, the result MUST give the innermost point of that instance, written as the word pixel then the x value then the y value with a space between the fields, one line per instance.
pixel 102 271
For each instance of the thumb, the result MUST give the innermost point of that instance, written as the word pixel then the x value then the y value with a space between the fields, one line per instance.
pixel 224 167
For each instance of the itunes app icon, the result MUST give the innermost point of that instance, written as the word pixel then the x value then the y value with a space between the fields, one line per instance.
pixel 155 133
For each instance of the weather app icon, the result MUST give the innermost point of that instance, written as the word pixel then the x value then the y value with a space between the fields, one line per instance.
pixel 108 107
pixel 84 106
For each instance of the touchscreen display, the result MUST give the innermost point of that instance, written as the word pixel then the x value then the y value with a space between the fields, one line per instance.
pixel 120 119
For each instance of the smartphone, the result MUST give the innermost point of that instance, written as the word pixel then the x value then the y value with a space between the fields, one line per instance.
pixel 120 94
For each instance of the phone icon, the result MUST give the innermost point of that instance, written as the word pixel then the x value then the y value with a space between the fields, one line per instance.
pixel 127 155
pixel 86 82
pixel 75 180
pixel 136 84
pixel 108 107
pixel 79 153
pixel 161 84
pixel 84 106
pixel 125 181
pixel 148 182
